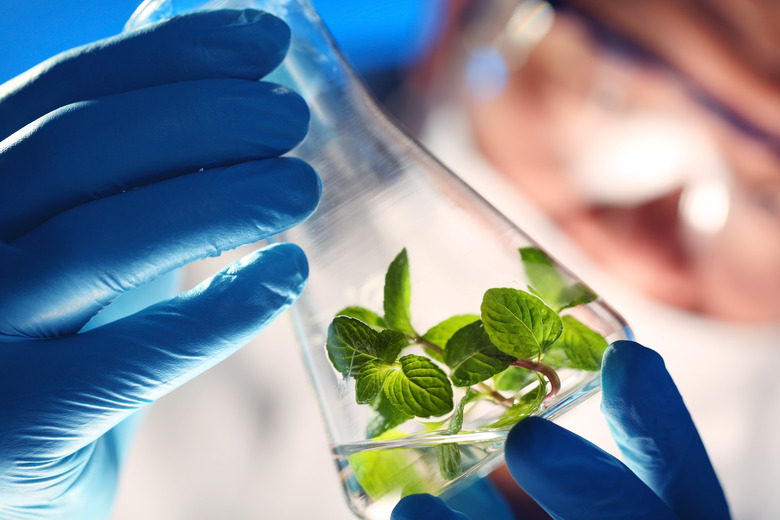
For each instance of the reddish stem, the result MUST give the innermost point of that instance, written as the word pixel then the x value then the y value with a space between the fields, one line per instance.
pixel 546 370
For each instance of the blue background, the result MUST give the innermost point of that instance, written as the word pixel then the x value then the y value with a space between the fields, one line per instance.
pixel 375 35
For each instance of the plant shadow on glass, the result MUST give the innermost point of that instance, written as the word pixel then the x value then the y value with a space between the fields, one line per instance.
pixel 508 357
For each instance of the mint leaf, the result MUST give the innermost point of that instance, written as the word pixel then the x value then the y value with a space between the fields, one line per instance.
pixel 365 315
pixel 389 344
pixel 398 294
pixel 441 333
pixel 385 417
pixel 473 357
pixel 524 407
pixel 583 346
pixel 543 275
pixel 450 465
pixel 419 388
pixel 514 379
pixel 350 344
pixel 369 380
pixel 555 355
pixel 456 421
pixel 519 323
pixel 550 283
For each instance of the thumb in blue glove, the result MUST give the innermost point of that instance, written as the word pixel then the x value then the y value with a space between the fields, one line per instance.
pixel 122 161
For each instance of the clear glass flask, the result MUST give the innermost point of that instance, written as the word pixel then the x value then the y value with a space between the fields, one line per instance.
pixel 383 194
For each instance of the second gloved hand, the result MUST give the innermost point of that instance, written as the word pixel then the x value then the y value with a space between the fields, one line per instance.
pixel 119 162
pixel 667 474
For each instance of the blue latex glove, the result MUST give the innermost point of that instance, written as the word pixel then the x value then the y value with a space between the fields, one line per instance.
pixel 122 161
pixel 667 474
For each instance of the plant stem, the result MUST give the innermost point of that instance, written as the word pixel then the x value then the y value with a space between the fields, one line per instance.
pixel 495 395
pixel 546 370
pixel 430 347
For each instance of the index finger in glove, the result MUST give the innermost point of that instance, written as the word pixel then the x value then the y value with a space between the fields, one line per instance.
pixel 574 479
pixel 656 434
pixel 242 44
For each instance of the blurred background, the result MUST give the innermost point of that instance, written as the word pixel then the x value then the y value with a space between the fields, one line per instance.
pixel 638 142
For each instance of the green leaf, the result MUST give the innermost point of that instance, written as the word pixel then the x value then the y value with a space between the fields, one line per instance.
pixel 365 315
pixel 577 294
pixel 350 344
pixel 385 417
pixel 369 381
pixel 524 407
pixel 450 465
pixel 555 355
pixel 543 275
pixel 519 323
pixel 389 344
pixel 514 379
pixel 419 388
pixel 473 357
pixel 398 294
pixel 583 346
pixel 550 283
pixel 441 333
pixel 456 421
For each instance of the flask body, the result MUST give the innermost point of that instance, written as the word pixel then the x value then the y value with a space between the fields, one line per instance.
pixel 383 194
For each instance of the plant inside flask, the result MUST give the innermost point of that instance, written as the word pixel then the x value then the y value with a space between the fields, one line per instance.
pixel 468 375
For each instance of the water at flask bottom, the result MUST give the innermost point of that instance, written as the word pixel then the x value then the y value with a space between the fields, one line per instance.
pixel 376 474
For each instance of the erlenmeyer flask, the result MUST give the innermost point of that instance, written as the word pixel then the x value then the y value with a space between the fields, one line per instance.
pixel 387 201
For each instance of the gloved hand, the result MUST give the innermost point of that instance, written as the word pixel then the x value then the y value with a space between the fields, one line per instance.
pixel 121 161
pixel 666 475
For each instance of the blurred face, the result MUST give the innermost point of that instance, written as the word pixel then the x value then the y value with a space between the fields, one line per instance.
pixel 650 131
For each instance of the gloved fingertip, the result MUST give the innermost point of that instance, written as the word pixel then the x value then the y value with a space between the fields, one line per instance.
pixel 227 310
pixel 309 184
pixel 424 507
pixel 271 24
pixel 256 34
pixel 296 113
pixel 528 446
pixel 627 353
pixel 632 373
pixel 281 265
pixel 527 433
pixel 270 33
